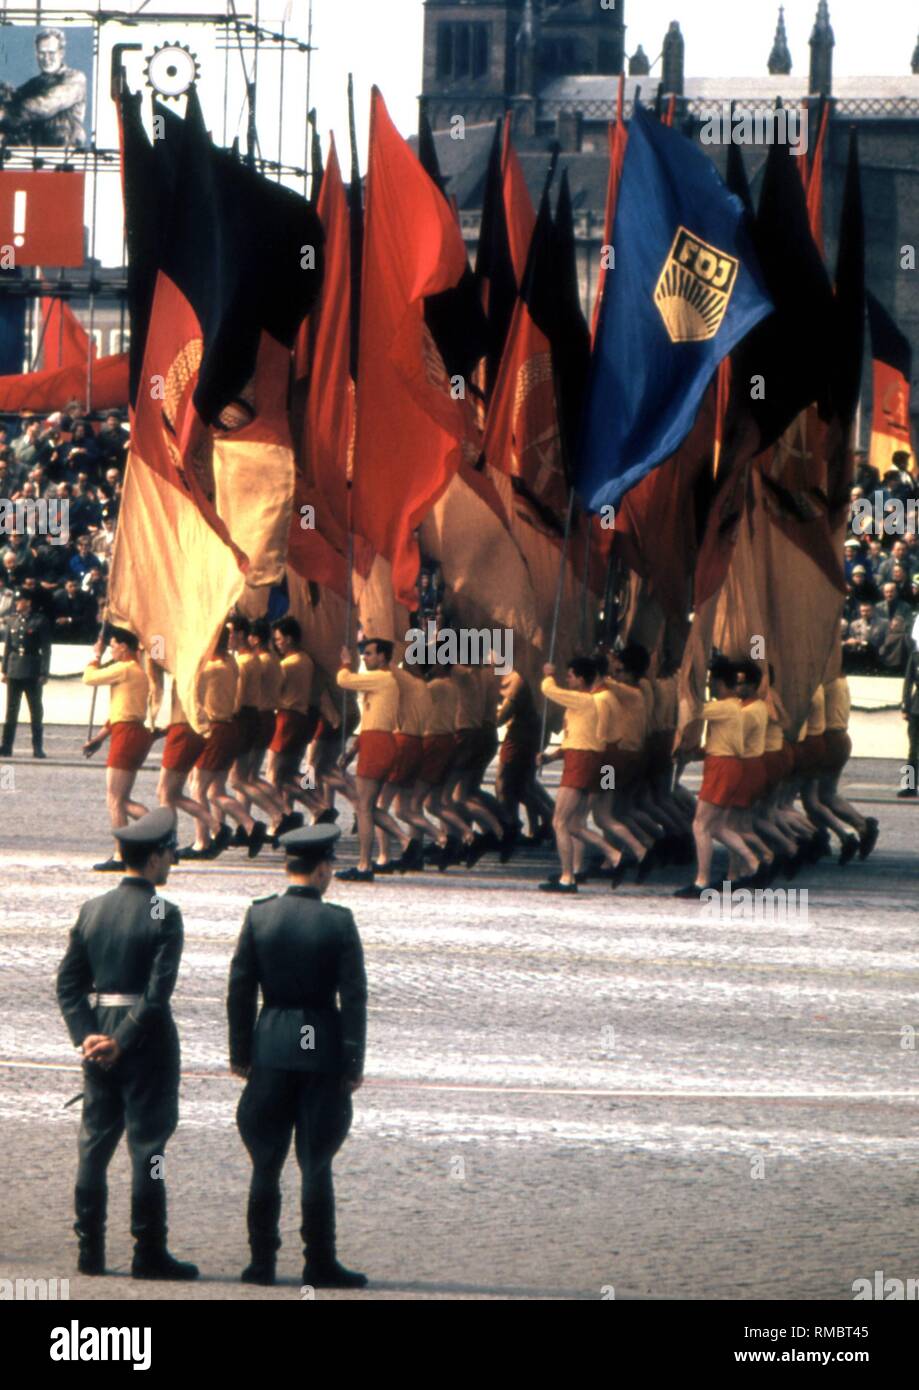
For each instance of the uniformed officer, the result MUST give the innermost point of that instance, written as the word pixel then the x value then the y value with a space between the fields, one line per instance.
pixel 114 986
pixel 303 1058
pixel 26 662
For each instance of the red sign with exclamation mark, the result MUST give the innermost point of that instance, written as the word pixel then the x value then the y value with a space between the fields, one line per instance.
pixel 41 219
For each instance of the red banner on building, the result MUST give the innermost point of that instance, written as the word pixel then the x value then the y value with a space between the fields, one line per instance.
pixel 41 218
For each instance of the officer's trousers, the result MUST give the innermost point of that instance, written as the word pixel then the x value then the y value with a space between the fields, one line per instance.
pixel 15 689
pixel 139 1096
pixel 315 1110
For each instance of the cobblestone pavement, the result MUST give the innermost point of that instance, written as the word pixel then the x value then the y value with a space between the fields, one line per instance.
pixel 560 1097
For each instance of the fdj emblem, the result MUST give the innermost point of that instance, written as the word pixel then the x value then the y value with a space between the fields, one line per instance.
pixel 694 288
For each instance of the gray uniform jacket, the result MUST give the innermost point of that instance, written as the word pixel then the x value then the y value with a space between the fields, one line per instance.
pixel 128 941
pixel 301 953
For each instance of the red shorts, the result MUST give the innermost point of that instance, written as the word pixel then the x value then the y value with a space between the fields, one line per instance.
pixel 810 756
pixel 293 731
pixel 129 745
pixel 779 764
pixel 722 781
pixel 467 749
pixel 582 769
pixel 837 747
pixel 437 758
pixel 183 748
pixel 628 765
pixel 406 768
pixel 266 722
pixel 376 753
pixel 248 728
pixel 756 779
pixel 221 747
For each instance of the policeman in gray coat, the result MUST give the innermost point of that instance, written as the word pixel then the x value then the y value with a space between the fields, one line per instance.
pixel 114 986
pixel 304 1056
pixel 26 662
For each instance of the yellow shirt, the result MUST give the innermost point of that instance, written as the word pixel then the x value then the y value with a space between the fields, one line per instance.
pixel 631 721
pixel 217 689
pixel 755 721
pixel 271 680
pixel 297 676
pixel 838 703
pixel 380 705
pixel 413 699
pixel 724 735
pixel 470 697
pixel 816 715
pixel 582 717
pixel 608 715
pixel 177 714
pixel 249 686
pixel 774 736
pixel 440 710
pixel 128 696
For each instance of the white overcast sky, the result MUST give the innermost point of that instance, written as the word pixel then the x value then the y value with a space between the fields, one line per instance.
pixel 381 41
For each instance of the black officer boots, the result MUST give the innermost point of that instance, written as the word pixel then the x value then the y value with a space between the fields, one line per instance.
pixel 322 1270
pixel 89 1206
pixel 148 1227
pixel 262 1219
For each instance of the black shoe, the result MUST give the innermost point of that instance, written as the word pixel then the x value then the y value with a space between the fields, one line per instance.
pixel 110 866
pixel 90 1205
pixel 157 1263
pixel 431 853
pixel 326 817
pixel 849 850
pixel 906 792
pixel 332 1275
pixel 554 886
pixel 391 866
pixel 256 838
pixel 619 872
pixel 260 1271
pixel 240 839
pixel 5 752
pixel 220 842
pixel 190 852
pixel 581 876
pixel 453 852
pixel 869 838
pixel 748 881
pixel 691 891
pixel 764 874
pixel 412 860
pixel 646 864
pixel 291 820
pixel 39 753
pixel 355 875
pixel 91 1259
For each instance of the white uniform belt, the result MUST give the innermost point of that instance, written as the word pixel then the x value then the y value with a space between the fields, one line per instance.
pixel 114 1001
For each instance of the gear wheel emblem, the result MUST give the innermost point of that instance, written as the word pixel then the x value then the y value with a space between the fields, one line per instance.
pixel 171 69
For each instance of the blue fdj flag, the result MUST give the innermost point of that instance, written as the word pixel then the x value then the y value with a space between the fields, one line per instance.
pixel 683 290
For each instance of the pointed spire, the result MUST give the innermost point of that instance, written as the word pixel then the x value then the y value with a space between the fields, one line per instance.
pixel 639 63
pixel 916 58
pixel 822 43
pixel 780 57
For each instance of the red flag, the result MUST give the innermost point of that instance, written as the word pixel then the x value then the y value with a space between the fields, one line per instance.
pixel 64 340
pixel 409 427
pixel 518 205
pixel 44 391
pixel 618 140
pixel 318 541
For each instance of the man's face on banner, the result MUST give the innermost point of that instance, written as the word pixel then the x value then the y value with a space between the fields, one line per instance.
pixel 50 54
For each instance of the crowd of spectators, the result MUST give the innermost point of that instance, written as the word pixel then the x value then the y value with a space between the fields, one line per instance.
pixel 882 569
pixel 60 552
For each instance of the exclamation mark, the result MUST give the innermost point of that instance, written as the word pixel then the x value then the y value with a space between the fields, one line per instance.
pixel 19 218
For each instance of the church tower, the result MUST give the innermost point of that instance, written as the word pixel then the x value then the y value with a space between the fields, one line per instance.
pixel 822 43
pixel 780 57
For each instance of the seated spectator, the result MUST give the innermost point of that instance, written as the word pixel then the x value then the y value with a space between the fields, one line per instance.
pixel 83 511
pixel 26 447
pixel 862 640
pixel 899 577
pixel 895 645
pixel 111 487
pixel 892 606
pixel 876 557
pixel 864 476
pixel 112 439
pixel 16 558
pixel 83 561
pixel 74 614
pixel 897 556
pixel 854 555
pixel 860 589
pixel 51 563
pixel 104 538
pixel 82 452
pixel 9 479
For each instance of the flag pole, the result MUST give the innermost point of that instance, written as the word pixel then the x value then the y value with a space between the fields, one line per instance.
pixel 349 608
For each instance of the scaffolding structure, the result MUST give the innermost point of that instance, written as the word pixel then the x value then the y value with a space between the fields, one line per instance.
pixel 239 38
